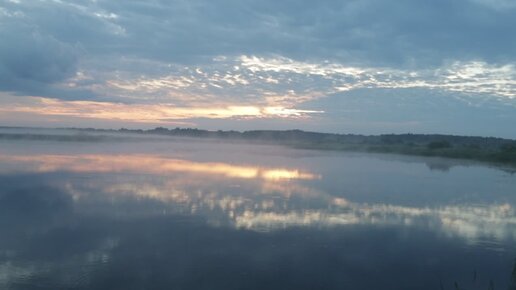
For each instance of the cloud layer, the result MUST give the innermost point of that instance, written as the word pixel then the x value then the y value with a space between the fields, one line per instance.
pixel 197 55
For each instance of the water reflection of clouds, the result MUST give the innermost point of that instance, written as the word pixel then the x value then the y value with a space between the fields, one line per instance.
pixel 259 201
pixel 149 164
pixel 470 222
pixel 36 214
pixel 265 208
pixel 75 269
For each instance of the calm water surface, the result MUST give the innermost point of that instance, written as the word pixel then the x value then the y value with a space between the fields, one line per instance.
pixel 208 215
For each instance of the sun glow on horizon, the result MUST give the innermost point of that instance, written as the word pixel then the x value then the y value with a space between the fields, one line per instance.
pixel 151 113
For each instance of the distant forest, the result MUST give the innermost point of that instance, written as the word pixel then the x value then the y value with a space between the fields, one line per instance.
pixel 490 149
pixel 464 147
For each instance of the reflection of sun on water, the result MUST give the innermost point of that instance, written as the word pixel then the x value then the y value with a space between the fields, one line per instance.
pixel 276 174
pixel 150 164
pixel 268 204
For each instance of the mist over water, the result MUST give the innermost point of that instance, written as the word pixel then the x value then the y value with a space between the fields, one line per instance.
pixel 144 212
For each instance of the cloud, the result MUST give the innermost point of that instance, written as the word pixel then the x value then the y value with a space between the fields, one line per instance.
pixel 200 54
pixel 280 81
pixel 497 4
pixel 30 60
pixel 367 32
pixel 415 110
pixel 468 77
pixel 147 113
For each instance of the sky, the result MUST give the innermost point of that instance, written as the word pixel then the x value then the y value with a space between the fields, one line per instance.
pixel 343 66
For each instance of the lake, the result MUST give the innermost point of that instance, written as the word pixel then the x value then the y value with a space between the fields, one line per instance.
pixel 169 213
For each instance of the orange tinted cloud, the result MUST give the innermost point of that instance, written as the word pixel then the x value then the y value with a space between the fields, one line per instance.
pixel 148 113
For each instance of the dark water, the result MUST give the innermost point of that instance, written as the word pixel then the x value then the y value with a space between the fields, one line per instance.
pixel 183 215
